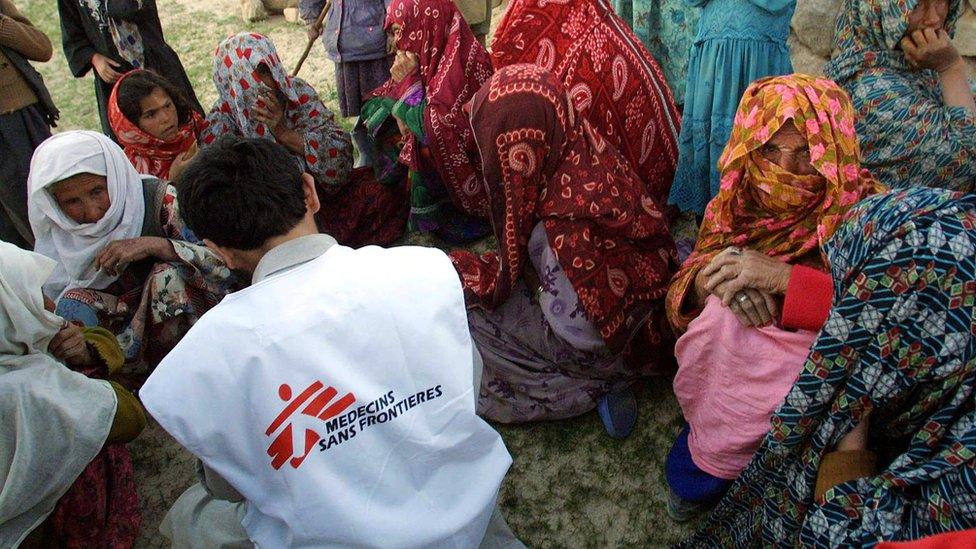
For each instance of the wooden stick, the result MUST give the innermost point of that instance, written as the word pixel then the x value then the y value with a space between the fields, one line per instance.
pixel 311 41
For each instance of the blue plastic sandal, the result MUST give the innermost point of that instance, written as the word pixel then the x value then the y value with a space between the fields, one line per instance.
pixel 618 411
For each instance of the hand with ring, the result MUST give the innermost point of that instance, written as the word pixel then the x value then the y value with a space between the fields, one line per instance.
pixel 754 308
pixel 735 270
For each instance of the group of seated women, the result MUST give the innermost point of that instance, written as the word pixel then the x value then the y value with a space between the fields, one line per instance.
pixel 825 358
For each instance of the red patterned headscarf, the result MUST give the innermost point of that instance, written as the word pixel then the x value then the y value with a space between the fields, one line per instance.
pixel 608 233
pixel 614 81
pixel 150 155
pixel 453 66
pixel 762 207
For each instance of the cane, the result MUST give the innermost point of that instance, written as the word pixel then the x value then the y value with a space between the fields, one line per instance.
pixel 311 41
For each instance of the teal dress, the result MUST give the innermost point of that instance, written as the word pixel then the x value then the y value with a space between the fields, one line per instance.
pixel 667 30
pixel 738 42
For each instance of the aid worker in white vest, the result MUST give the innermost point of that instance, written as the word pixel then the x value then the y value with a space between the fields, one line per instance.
pixel 332 402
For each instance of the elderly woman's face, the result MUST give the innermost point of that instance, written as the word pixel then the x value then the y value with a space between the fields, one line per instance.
pixel 788 149
pixel 928 14
pixel 83 197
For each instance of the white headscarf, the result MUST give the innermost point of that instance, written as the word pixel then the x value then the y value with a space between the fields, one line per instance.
pixel 74 245
pixel 53 421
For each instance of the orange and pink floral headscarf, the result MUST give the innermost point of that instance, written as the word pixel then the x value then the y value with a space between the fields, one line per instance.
pixel 762 207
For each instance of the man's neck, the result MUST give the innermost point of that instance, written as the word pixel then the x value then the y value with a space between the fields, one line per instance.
pixel 304 228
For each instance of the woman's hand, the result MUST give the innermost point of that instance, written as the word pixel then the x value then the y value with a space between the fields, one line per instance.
pixel 69 347
pixel 734 270
pixel 269 111
pixel 404 129
pixel 930 49
pixel 314 31
pixel 114 258
pixel 754 308
pixel 857 439
pixel 105 68
pixel 181 160
pixel 405 64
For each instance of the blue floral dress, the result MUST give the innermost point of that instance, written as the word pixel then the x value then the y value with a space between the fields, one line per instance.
pixel 738 42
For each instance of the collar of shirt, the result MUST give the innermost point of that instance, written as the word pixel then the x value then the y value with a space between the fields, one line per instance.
pixel 291 254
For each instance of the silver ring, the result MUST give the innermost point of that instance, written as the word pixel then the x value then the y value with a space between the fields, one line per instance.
pixel 741 297
pixel 735 250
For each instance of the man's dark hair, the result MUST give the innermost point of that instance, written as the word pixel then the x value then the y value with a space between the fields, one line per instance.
pixel 239 192
pixel 139 85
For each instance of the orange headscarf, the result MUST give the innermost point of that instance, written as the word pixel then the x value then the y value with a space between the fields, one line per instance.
pixel 762 207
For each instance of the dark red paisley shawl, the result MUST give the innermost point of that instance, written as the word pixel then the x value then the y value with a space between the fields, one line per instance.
pixel 614 81
pixel 453 66
pixel 608 233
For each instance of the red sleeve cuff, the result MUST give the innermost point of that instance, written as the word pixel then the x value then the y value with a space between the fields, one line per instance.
pixel 808 298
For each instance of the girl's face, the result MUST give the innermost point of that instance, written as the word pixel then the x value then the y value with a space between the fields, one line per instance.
pixel 83 197
pixel 159 117
pixel 928 14
pixel 788 149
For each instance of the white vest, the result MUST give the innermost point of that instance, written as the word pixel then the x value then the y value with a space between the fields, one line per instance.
pixel 337 398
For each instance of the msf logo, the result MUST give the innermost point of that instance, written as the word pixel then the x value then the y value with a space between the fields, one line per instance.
pixel 320 407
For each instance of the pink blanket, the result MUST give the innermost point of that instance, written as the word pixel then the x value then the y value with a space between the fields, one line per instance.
pixel 730 380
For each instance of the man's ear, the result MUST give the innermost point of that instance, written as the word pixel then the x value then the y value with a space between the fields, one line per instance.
pixel 312 203
pixel 224 254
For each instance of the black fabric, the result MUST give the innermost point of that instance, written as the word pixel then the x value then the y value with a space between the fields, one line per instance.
pixel 82 37
pixel 153 192
pixel 20 133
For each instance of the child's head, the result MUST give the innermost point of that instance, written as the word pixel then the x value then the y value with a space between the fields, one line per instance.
pixel 154 104
pixel 240 195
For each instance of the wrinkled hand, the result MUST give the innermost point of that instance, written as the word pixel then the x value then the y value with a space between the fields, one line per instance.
pixel 730 272
pixel 105 68
pixel 754 308
pixel 405 64
pixel 69 347
pixel 118 254
pixel 402 126
pixel 314 31
pixel 268 111
pixel 930 49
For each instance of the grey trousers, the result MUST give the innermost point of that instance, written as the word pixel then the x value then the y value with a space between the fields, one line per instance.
pixel 199 521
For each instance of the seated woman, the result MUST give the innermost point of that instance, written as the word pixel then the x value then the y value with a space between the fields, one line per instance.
pixel 258 99
pixel 153 123
pixel 898 346
pixel 583 262
pixel 438 68
pixel 126 261
pixel 615 83
pixel 66 478
pixel 897 61
pixel 790 172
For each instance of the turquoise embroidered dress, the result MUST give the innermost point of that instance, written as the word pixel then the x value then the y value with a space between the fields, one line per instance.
pixel 908 136
pixel 667 30
pixel 738 41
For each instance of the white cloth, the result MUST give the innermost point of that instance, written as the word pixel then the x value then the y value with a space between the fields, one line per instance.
pixel 75 245
pixel 408 464
pixel 54 421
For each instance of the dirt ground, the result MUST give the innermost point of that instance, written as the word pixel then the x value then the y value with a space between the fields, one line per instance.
pixel 570 484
